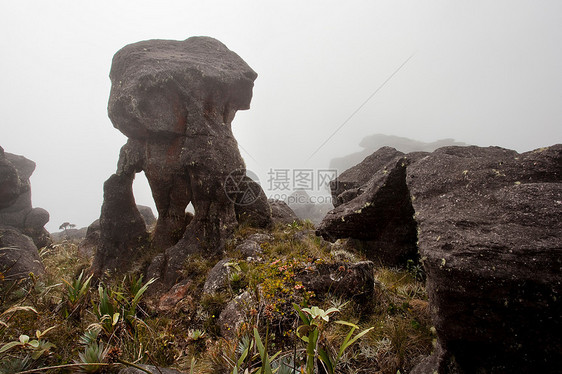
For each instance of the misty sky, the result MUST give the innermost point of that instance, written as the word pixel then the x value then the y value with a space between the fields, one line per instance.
pixel 482 72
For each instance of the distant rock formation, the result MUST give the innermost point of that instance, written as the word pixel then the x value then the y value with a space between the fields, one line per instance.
pixel 489 233
pixel 15 199
pixel 175 101
pixel 281 213
pixel 307 207
pixel 373 142
pixel 21 226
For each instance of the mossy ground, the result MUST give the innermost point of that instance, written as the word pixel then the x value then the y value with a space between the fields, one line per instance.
pixel 188 337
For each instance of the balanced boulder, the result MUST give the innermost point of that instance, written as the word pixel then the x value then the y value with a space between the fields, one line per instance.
pixel 175 101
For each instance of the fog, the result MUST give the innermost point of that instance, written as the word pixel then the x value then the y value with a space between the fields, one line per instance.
pixel 481 72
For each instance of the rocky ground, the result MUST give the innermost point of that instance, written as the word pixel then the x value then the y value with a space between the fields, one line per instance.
pixel 202 324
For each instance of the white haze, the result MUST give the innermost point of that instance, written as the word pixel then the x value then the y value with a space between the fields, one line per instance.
pixel 482 72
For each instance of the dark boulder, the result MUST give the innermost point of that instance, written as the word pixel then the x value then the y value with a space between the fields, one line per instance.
pixel 18 255
pixel 347 185
pixel 175 101
pixel 490 224
pixel 377 213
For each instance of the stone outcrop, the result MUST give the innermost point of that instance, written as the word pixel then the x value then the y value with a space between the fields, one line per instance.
pixel 15 199
pixel 18 255
pixel 489 224
pixel 490 234
pixel 175 101
pixel 373 206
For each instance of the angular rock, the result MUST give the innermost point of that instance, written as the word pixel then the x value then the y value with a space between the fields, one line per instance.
pixel 379 212
pixel 352 179
pixel 373 142
pixel 490 224
pixel 175 101
pixel 18 255
pixel 281 213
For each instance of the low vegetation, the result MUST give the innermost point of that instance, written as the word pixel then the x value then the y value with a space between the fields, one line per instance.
pixel 64 323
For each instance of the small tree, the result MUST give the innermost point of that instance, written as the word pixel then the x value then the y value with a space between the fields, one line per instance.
pixel 67 225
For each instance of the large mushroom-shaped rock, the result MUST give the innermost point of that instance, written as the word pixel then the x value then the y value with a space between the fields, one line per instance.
pixel 175 101
pixel 490 234
pixel 373 206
